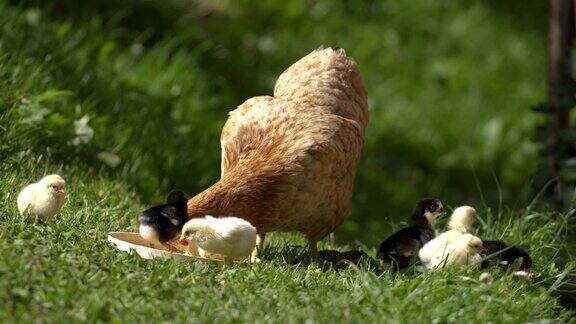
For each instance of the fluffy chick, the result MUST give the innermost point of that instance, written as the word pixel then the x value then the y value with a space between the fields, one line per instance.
pixel 161 223
pixel 231 237
pixel 44 198
pixel 460 222
pixel 506 253
pixel 466 249
pixel 398 250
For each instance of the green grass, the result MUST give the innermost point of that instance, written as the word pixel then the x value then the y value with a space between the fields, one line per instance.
pixel 64 269
pixel 449 86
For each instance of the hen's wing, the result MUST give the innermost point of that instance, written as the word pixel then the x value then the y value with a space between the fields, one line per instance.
pixel 287 130
pixel 244 123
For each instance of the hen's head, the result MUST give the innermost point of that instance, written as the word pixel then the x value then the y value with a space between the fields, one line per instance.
pixel 54 185
pixel 163 223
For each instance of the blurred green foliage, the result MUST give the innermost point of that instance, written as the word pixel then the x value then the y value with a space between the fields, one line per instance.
pixel 449 82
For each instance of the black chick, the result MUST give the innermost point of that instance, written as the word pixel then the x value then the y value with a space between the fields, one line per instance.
pixel 398 250
pixel 163 223
pixel 506 253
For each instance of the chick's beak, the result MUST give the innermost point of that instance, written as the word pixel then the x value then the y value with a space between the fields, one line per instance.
pixel 183 240
pixel 439 211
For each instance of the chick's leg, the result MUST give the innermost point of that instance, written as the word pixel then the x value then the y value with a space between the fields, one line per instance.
pixel 259 246
pixel 170 247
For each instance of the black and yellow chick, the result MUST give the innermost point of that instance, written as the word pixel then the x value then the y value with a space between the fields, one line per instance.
pixel 162 223
pixel 505 252
pixel 398 250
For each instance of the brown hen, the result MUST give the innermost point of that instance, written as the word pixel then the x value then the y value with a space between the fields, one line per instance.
pixel 289 161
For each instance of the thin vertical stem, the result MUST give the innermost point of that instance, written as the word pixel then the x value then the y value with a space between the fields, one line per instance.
pixel 560 43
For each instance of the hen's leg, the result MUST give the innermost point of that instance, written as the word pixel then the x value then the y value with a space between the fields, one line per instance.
pixel 313 250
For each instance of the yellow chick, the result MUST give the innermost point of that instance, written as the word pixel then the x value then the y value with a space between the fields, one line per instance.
pixel 460 222
pixel 231 237
pixel 467 249
pixel 44 198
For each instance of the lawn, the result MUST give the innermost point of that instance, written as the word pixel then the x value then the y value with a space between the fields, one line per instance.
pixel 66 270
pixel 126 100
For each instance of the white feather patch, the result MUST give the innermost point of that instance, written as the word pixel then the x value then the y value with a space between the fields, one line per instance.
pixel 149 234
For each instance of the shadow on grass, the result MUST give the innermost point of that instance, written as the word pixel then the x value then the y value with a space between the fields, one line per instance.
pixel 328 259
